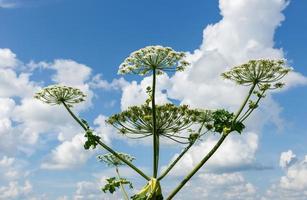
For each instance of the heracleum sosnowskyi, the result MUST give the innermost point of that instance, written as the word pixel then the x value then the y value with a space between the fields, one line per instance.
pixel 178 123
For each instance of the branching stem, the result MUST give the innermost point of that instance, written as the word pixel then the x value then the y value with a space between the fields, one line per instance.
pixel 106 146
pixel 213 150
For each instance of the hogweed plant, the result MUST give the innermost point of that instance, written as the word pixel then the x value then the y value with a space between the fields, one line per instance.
pixel 181 124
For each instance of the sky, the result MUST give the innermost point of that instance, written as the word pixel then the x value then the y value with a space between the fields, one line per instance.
pixel 81 44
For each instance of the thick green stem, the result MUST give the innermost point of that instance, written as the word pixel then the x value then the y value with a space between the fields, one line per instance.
pixel 155 134
pixel 122 186
pixel 175 162
pixel 198 166
pixel 107 147
pixel 213 150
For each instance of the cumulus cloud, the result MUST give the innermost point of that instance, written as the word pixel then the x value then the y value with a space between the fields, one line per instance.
pixel 23 119
pixel 7 57
pixel 237 153
pixel 99 82
pixel 230 186
pixel 15 191
pixel 293 185
pixel 90 190
pixel 12 169
pixel 69 72
pixel 71 153
pixel 14 179
pixel 287 159
pixel 29 116
pixel 68 154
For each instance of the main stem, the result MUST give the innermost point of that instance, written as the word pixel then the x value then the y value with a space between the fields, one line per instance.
pixel 155 134
pixel 121 185
pixel 106 146
pixel 213 150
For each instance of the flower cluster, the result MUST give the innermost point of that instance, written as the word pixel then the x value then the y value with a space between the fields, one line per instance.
pixel 263 73
pixel 113 161
pixel 161 59
pixel 56 94
pixel 170 120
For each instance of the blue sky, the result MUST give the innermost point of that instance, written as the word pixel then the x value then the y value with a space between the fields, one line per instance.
pixel 82 43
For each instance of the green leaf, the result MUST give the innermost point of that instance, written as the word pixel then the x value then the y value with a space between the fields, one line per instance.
pixel 114 183
pixel 92 140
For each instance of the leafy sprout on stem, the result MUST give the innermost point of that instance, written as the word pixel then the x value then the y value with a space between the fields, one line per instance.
pixel 162 59
pixel 57 94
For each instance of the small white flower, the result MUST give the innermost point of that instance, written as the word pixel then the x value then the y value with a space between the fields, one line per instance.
pixel 263 73
pixel 161 59
pixel 56 94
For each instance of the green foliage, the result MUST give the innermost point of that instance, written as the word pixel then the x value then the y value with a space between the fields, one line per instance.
pixel 113 183
pixel 92 140
pixel 223 122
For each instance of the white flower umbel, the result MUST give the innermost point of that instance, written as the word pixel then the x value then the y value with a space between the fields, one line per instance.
pixel 56 94
pixel 263 73
pixel 162 59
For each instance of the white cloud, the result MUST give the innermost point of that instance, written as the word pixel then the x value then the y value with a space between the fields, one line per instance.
pixel 293 185
pixel 22 121
pixel 286 159
pixel 230 186
pixel 68 154
pixel 91 190
pixel 237 38
pixel 236 153
pixel 71 153
pixel 116 84
pixel 7 57
pixel 12 169
pixel 13 173
pixel 69 72
pixel 15 191
pixel 15 85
